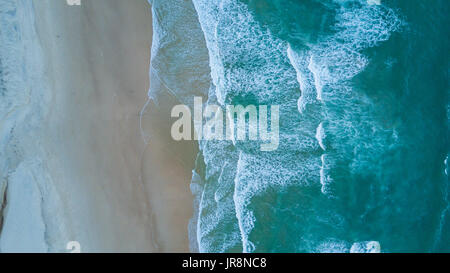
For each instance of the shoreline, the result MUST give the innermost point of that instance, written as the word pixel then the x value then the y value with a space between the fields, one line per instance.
pixel 111 184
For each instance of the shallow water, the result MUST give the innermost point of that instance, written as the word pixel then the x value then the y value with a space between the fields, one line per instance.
pixel 26 190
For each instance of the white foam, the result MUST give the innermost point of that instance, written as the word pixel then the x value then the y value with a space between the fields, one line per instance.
pixel 315 70
pixel 33 219
pixel 304 77
pixel 332 246
pixel 320 136
pixel 24 227
pixel 366 247
pixel 374 2
pixel 446 165
pixel 325 179
pixel 245 58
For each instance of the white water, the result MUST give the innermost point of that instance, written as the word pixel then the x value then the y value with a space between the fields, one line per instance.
pixel 31 219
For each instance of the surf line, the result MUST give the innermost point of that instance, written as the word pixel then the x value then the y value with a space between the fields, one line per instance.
pixel 210 121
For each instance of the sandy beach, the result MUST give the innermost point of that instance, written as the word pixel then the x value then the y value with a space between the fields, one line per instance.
pixel 118 193
pixel 355 94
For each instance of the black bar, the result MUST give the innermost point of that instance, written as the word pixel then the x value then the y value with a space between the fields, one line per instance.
pixel 253 263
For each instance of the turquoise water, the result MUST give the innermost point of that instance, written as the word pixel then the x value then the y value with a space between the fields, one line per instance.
pixel 363 94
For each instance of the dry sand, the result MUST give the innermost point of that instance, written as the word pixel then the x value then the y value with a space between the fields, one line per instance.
pixel 118 193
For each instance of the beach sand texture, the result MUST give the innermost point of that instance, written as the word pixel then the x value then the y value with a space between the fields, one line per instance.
pixel 115 192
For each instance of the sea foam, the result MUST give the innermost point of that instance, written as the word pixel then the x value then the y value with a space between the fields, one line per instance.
pixel 247 61
pixel 244 196
pixel 31 199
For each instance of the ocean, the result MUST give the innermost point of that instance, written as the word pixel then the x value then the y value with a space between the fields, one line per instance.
pixel 363 90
